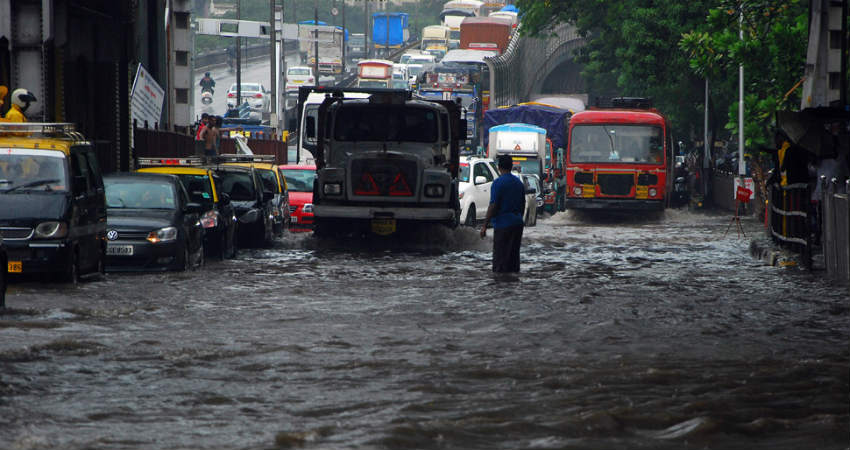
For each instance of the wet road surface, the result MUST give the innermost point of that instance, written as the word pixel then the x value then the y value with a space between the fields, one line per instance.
pixel 659 334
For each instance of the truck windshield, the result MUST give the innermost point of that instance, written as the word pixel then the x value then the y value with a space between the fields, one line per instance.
pixel 617 144
pixel 38 170
pixel 386 123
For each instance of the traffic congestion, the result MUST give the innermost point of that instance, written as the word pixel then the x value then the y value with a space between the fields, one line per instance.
pixel 383 249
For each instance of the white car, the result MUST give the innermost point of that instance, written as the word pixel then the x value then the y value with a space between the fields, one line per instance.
pixel 255 94
pixel 533 199
pixel 476 178
pixel 298 76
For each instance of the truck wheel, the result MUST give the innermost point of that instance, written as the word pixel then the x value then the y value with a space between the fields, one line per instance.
pixel 470 216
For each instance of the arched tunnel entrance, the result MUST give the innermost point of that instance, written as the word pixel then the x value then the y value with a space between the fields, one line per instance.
pixel 565 78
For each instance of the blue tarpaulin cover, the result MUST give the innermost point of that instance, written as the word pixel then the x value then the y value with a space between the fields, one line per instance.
pixel 398 23
pixel 510 8
pixel 553 120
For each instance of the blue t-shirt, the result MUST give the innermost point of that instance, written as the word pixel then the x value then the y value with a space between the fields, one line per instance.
pixel 508 194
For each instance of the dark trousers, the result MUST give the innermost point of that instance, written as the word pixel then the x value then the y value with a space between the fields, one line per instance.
pixel 506 242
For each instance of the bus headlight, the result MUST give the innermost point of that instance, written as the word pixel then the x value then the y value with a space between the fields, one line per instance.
pixel 332 188
pixel 577 191
pixel 653 192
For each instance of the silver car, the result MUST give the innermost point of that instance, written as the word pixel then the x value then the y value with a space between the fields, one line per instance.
pixel 255 94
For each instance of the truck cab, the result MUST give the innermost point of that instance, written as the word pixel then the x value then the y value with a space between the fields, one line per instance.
pixel 525 143
pixel 385 163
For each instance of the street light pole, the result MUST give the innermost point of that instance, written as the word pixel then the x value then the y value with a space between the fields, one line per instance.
pixel 316 43
pixel 741 166
pixel 285 124
pixel 238 58
pixel 273 75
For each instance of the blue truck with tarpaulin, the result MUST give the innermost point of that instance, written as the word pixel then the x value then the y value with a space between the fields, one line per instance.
pixel 555 121
pixel 390 31
pixel 450 81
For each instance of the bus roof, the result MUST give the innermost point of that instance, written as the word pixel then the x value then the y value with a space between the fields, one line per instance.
pixel 518 127
pixel 624 116
pixel 468 56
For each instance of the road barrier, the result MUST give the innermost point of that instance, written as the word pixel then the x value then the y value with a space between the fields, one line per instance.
pixel 788 218
pixel 835 227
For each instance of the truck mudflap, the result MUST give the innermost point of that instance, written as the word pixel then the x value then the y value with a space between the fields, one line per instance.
pixel 615 204
pixel 439 214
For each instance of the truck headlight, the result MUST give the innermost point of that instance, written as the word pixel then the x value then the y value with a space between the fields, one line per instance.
pixel 307 208
pixel 434 190
pixel 166 234
pixel 332 188
pixel 51 230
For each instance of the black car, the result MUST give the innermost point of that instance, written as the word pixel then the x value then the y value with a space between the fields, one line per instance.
pixel 252 204
pixel 151 224
pixel 4 277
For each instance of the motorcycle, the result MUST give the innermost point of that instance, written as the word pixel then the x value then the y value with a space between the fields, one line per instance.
pixel 206 96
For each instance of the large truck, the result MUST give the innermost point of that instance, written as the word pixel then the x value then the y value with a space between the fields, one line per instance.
pixel 385 163
pixel 356 49
pixel 458 82
pixel 555 121
pixel 453 13
pixel 435 36
pixel 485 33
pixel 525 143
pixel 389 31
pixel 331 40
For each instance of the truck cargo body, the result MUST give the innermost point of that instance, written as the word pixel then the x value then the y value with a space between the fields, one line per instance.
pixel 485 33
pixel 330 47
pixel 398 29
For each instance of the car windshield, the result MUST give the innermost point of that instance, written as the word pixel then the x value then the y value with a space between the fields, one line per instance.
pixel 386 123
pixel 246 87
pixel 299 71
pixel 617 144
pixel 238 185
pixel 139 194
pixel 32 170
pixel 198 187
pixel 300 180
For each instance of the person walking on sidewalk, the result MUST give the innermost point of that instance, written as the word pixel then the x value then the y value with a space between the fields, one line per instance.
pixel 507 202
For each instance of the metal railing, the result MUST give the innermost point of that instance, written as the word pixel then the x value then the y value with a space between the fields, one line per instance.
pixel 526 61
pixel 835 226
pixel 788 218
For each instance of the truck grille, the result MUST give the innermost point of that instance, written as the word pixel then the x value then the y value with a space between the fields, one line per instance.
pixel 615 184
pixel 15 233
pixel 384 177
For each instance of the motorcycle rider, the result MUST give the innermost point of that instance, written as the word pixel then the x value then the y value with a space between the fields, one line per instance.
pixel 207 83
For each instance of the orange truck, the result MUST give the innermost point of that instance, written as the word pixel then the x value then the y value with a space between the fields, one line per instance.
pixel 485 33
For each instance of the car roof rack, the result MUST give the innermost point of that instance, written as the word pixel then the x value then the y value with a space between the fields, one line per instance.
pixel 233 157
pixel 193 161
pixel 43 129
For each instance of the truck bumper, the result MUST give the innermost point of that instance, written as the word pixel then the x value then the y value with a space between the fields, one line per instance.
pixel 439 214
pixel 615 204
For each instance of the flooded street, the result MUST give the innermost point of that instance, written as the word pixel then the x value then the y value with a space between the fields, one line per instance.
pixel 661 334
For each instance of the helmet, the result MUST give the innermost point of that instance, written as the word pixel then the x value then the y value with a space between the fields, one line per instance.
pixel 22 98
pixel 206 74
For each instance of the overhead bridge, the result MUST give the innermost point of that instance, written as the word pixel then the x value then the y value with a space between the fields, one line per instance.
pixel 535 66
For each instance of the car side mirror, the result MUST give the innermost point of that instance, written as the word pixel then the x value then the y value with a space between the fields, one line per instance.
pixel 268 196
pixel 225 198
pixel 193 207
pixel 480 179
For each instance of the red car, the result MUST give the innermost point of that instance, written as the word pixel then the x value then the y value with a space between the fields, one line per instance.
pixel 299 179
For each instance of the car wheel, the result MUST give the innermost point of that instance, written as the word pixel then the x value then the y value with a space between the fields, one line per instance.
pixel 470 216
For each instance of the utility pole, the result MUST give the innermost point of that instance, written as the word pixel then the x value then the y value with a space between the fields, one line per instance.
pixel 316 43
pixel 273 75
pixel 238 58
pixel 366 25
pixel 343 37
pixel 283 120
pixel 387 46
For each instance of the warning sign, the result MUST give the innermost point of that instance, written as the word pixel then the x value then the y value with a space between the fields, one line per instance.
pixel 744 189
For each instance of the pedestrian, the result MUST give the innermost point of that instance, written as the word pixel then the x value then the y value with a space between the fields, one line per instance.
pixel 199 139
pixel 507 203
pixel 218 127
pixel 209 135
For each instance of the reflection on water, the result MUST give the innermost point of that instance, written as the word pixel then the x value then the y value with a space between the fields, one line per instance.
pixel 619 333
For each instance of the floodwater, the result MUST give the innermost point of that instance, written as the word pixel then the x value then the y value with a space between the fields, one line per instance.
pixel 659 334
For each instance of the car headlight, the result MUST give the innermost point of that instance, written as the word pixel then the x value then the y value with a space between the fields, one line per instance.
pixel 307 208
pixel 332 188
pixel 434 190
pixel 51 230
pixel 210 219
pixel 167 234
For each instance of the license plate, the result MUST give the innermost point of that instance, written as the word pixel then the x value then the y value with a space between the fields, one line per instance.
pixel 15 267
pixel 383 227
pixel 119 250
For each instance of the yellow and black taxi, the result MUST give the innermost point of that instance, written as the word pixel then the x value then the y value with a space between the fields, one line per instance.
pixel 218 217
pixel 152 224
pixel 252 204
pixel 52 207
pixel 273 181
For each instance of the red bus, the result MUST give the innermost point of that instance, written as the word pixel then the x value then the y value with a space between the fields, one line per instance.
pixel 619 158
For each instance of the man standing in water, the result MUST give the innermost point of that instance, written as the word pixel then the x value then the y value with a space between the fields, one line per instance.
pixel 507 202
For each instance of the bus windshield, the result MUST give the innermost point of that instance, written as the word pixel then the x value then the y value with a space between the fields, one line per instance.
pixel 617 144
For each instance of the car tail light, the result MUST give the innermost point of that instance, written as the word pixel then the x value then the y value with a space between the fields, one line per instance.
pixel 258 95
pixel 231 95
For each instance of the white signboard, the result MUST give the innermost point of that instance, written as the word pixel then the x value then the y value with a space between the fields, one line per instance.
pixel 748 183
pixel 146 99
